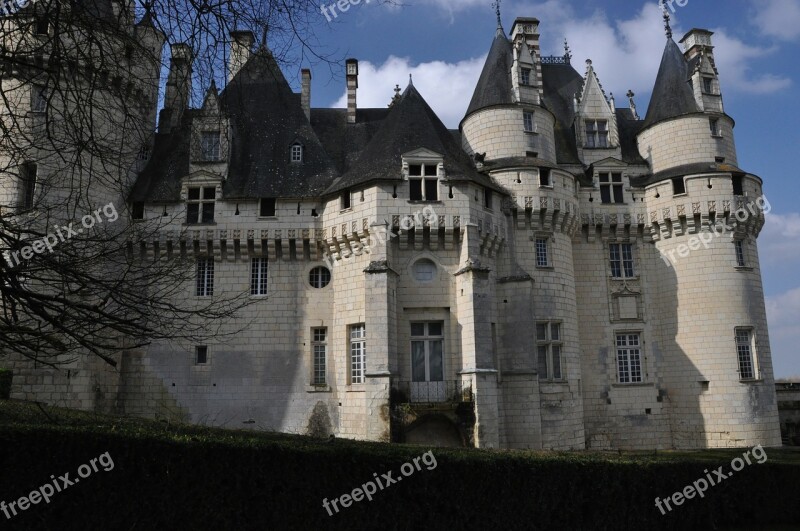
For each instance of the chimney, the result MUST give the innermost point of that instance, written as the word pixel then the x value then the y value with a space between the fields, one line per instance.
pixel 305 95
pixel 352 84
pixel 241 45
pixel 179 82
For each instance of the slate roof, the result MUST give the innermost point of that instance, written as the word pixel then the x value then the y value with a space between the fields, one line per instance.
pixel 560 84
pixel 345 142
pixel 160 180
pixel 494 85
pixel 266 120
pixel 628 128
pixel 686 169
pixel 411 124
pixel 672 94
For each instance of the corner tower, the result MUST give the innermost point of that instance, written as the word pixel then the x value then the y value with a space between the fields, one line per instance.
pixel 704 214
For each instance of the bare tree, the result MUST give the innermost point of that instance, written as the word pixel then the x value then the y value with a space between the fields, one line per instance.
pixel 79 89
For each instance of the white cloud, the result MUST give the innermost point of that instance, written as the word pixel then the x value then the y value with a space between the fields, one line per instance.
pixel 734 59
pixel 783 314
pixel 778 18
pixel 447 87
pixel 779 242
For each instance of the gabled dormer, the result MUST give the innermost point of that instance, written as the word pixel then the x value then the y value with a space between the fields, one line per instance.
pixel 596 130
pixel 210 134
pixel 703 73
pixel 423 169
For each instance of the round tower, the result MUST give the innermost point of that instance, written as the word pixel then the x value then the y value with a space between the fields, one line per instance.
pixel 511 135
pixel 711 346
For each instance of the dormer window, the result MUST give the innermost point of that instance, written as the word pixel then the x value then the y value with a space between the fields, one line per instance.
pixel 708 85
pixel 596 133
pixel 611 188
pixel 423 182
pixel 200 205
pixel 297 153
pixel 525 77
pixel 209 146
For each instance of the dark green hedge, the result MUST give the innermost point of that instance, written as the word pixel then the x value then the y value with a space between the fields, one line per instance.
pixel 159 483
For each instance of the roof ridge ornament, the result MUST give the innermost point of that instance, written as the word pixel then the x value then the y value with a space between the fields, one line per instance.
pixel 567 51
pixel 496 6
pixel 667 26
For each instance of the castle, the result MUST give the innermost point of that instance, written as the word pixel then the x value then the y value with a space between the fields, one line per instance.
pixel 541 277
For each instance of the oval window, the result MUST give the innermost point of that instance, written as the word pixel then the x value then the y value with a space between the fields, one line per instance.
pixel 424 270
pixel 319 277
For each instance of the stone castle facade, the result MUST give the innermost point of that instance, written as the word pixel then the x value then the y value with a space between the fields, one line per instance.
pixel 543 277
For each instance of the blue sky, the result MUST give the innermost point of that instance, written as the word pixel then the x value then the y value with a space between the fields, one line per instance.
pixel 443 44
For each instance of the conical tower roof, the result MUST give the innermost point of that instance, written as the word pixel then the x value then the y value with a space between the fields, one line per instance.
pixel 494 85
pixel 411 124
pixel 672 93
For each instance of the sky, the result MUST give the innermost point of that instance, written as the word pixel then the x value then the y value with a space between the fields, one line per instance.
pixel 443 44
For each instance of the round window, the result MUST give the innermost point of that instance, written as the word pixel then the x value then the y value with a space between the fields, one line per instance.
pixel 319 277
pixel 424 270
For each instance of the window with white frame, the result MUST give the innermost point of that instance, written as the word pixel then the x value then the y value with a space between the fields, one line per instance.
pixel 259 268
pixel 200 204
pixel 39 97
pixel 358 353
pixel 423 182
pixel 708 85
pixel 205 277
pixel 209 146
pixel 629 358
pixel 744 352
pixel 319 277
pixel 427 352
pixel 527 122
pixel 525 76
pixel 542 252
pixel 596 133
pixel 740 258
pixel 611 188
pixel 621 255
pixel 297 153
pixel 319 346
pixel 714 125
pixel 548 350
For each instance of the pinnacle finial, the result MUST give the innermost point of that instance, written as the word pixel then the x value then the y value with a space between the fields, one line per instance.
pixel 410 80
pixel 667 19
pixel 567 51
pixel 496 6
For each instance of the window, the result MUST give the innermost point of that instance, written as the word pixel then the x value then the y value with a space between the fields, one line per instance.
pixel 525 76
pixel 629 358
pixel 708 85
pixel 200 355
pixel 548 350
pixel 678 186
pixel 319 277
pixel 423 182
pixel 542 258
pixel 266 207
pixel 205 277
pixel 319 345
pixel 28 173
pixel 611 188
pixel 527 121
pixel 424 270
pixel 738 185
pixel 39 97
pixel 744 351
pixel 297 153
pixel 596 134
pixel 42 25
pixel 740 260
pixel 258 276
pixel 544 178
pixel 137 210
pixel 427 352
pixel 209 145
pixel 200 205
pixel 358 352
pixel 714 124
pixel 621 260
pixel 487 198
pixel 144 152
pixel 346 200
